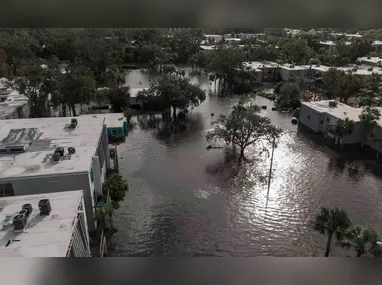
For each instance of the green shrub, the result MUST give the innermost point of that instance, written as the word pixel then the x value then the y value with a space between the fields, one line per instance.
pixel 117 187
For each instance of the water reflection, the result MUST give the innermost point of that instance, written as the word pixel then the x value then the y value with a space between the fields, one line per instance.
pixel 187 201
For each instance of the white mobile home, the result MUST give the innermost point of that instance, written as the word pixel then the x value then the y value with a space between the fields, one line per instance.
pixel 44 225
pixel 52 155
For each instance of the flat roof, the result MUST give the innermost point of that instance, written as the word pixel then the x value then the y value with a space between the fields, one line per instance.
pixel 44 236
pixel 331 43
pixel 373 60
pixel 363 71
pixel 296 67
pixel 112 120
pixel 134 91
pixel 341 111
pixel 51 133
pixel 205 47
pixel 321 68
pixel 377 43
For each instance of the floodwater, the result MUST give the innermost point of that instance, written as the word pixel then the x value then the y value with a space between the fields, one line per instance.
pixel 185 200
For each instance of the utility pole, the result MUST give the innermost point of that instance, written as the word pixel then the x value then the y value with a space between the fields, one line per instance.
pixel 270 168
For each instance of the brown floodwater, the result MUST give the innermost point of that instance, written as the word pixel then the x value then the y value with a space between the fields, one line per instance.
pixel 185 200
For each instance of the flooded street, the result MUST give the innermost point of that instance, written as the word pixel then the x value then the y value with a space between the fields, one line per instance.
pixel 185 200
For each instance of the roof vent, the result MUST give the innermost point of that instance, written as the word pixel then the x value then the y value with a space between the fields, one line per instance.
pixel 71 150
pixel 19 222
pixel 291 66
pixel 44 206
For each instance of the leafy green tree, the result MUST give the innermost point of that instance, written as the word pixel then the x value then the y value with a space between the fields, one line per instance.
pixel 75 84
pixel 368 118
pixel 297 51
pixel 333 223
pixel 119 98
pixel 224 63
pixel 184 45
pixel 36 82
pixel 368 97
pixel 103 215
pixel 174 92
pixel 244 127
pixel 117 187
pixel 4 66
pixel 363 241
pixel 289 97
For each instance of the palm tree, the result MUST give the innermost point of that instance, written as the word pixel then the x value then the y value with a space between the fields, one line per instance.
pixel 363 241
pixel 369 118
pixel 332 222
pixel 343 128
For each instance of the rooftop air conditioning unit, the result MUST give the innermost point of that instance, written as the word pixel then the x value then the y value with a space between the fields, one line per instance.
pixel 73 123
pixel 56 156
pixel 19 222
pixel 60 150
pixel 369 57
pixel 28 208
pixel 370 69
pixel 44 206
pixel 332 103
pixel 291 66
pixel 71 150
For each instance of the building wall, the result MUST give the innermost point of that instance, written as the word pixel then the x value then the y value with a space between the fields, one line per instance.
pixel 371 139
pixel 311 118
pixel 56 183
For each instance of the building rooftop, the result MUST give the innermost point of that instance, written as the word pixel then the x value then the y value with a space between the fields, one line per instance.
pixel 44 236
pixel 321 68
pixel 205 47
pixel 331 43
pixel 294 67
pixel 341 111
pixel 134 91
pixel 377 43
pixel 33 142
pixel 371 60
pixel 112 120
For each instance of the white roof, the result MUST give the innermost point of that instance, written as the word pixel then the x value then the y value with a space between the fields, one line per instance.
pixel 321 68
pixel 363 71
pixel 232 39
pixel 13 101
pixel 112 120
pixel 341 111
pixel 296 67
pixel 204 47
pixel 134 91
pixel 377 43
pixel 51 133
pixel 331 43
pixel 373 60
pixel 44 236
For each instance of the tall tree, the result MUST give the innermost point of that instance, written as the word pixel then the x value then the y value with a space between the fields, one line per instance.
pixel 224 63
pixel 75 84
pixel 4 66
pixel 368 118
pixel 244 127
pixel 35 81
pixel 333 223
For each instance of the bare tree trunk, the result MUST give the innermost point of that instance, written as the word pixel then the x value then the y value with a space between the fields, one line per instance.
pixel 328 244
pixel 73 107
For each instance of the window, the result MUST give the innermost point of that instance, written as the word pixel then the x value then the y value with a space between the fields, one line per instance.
pixel 6 190
pixel 308 117
pixel 92 175
pixel 114 132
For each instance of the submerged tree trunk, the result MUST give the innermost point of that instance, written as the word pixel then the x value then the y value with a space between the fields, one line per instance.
pixel 379 150
pixel 241 156
pixel 328 244
pixel 73 107
pixel 174 114
pixel 358 254
pixel 63 109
